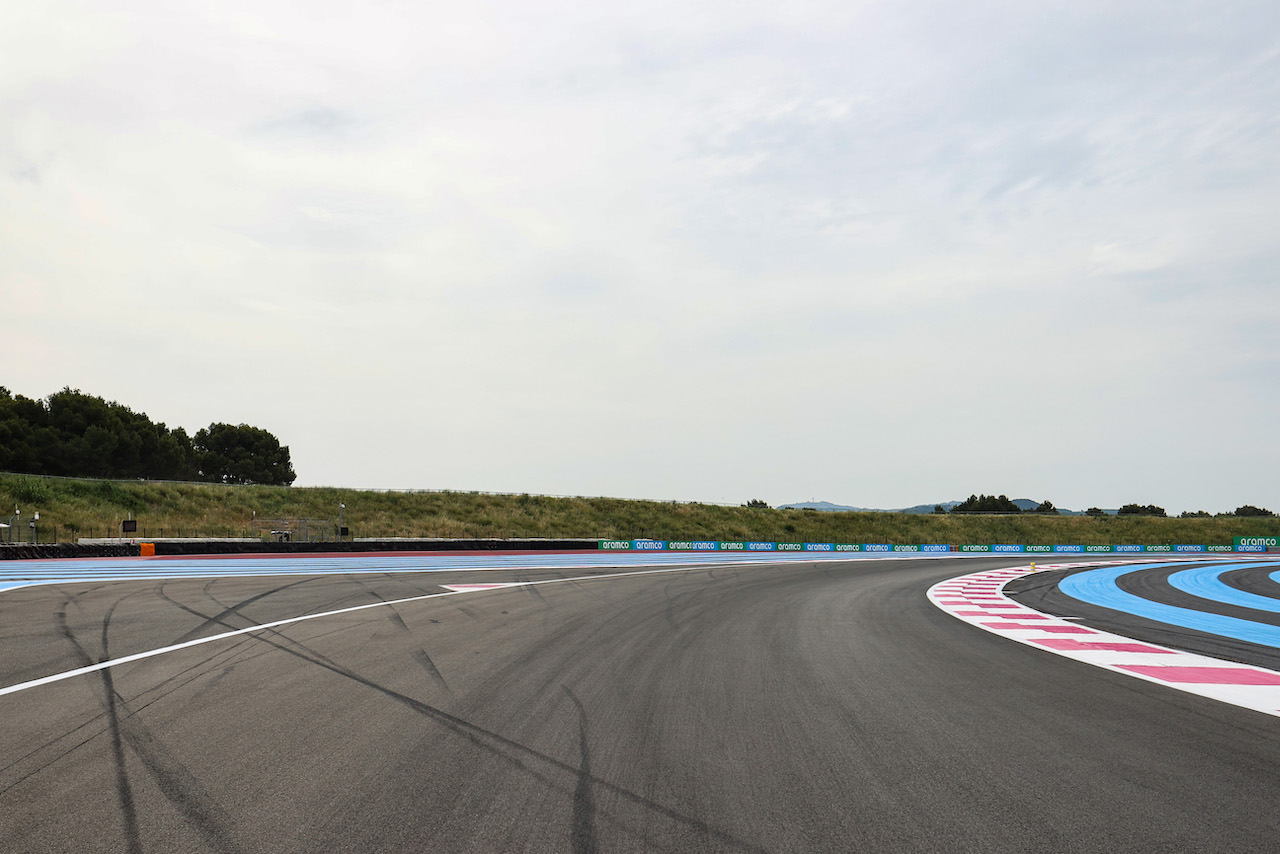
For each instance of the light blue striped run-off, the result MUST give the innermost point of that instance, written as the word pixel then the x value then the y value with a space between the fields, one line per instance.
pixel 1099 587
pixel 1205 582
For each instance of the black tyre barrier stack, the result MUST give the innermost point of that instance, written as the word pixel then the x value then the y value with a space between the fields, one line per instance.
pixel 216 548
pixel 44 551
pixel 74 550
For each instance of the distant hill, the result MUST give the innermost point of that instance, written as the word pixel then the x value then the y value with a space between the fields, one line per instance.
pixel 1024 504
pixel 828 507
pixel 823 506
pixel 1028 504
pixel 927 508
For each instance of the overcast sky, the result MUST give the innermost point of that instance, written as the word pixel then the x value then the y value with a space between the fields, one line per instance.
pixel 878 253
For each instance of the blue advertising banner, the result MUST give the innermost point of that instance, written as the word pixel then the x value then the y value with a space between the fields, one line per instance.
pixel 649 545
pixel 1006 548
pixel 1186 548
pixel 819 547
pixel 877 547
pixel 1069 549
pixel 936 548
pixel 1130 548
pixel 762 547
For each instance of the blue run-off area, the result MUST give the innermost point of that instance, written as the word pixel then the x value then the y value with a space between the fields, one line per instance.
pixel 26 572
pixel 1100 587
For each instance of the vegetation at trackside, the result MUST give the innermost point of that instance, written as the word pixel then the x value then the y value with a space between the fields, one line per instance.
pixel 985 504
pixel 94 508
pixel 78 435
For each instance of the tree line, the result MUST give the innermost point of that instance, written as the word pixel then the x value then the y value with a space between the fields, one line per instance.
pixel 1002 504
pixel 995 504
pixel 72 434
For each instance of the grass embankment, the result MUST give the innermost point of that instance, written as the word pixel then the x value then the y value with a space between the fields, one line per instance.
pixel 94 508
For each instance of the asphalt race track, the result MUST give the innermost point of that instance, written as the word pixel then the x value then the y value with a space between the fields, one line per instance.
pixel 799 706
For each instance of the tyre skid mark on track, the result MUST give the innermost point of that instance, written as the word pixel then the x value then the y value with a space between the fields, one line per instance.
pixel 228 610
pixel 596 798
pixel 978 600
pixel 274 624
pixel 124 788
pixel 583 835
pixel 420 655
pixel 546 769
pixel 244 650
pixel 178 786
pixel 97 726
